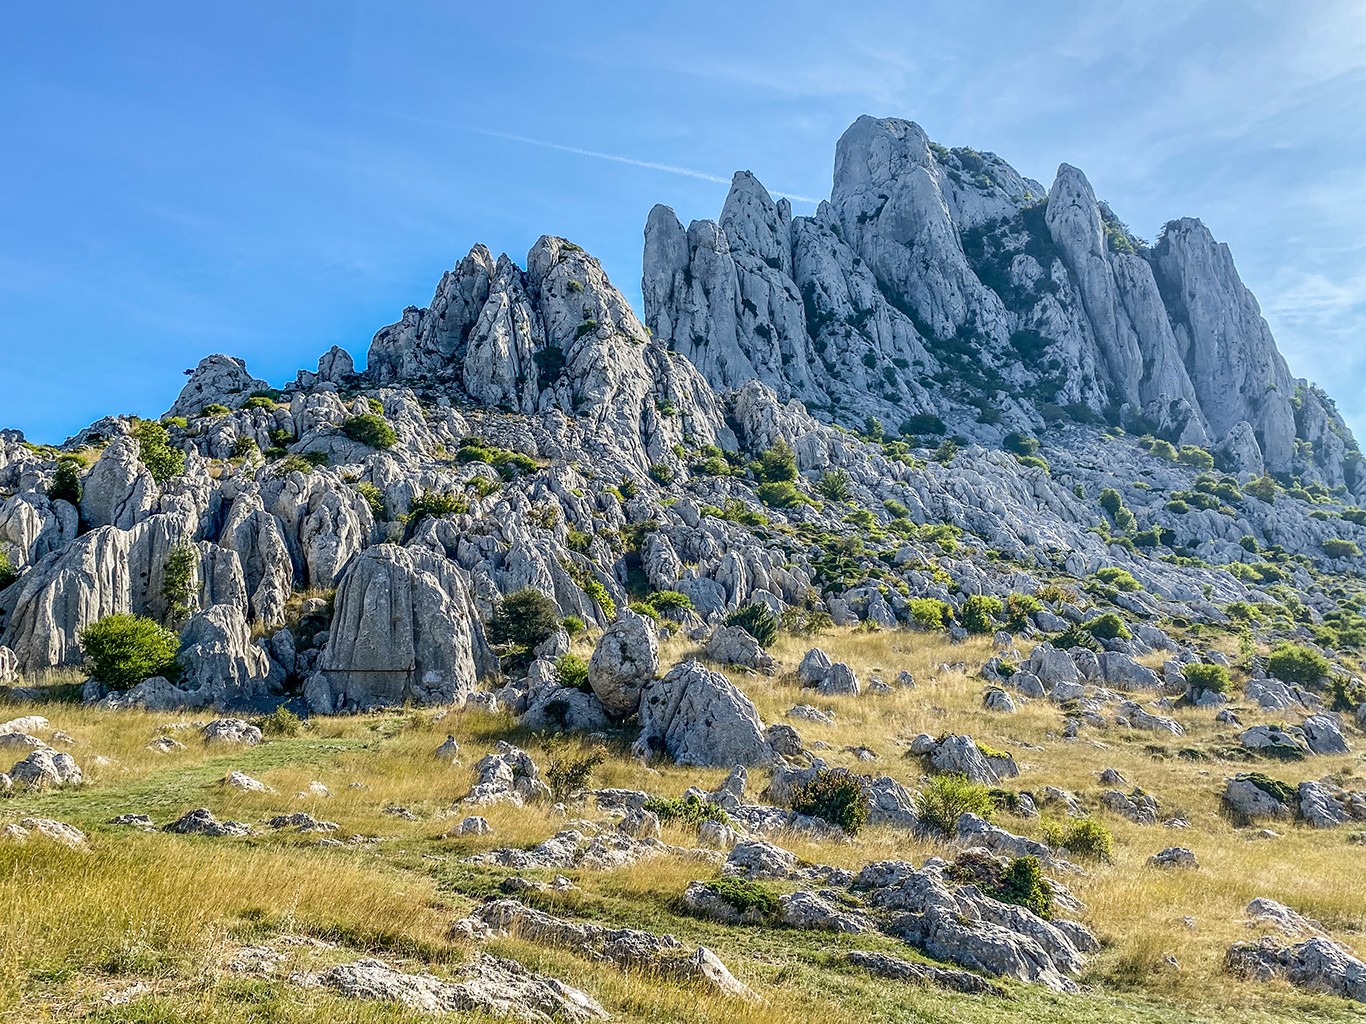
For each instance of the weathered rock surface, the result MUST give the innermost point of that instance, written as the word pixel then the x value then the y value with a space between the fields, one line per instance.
pixel 698 717
pixel 625 659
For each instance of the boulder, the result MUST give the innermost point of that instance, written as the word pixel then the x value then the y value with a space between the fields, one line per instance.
pixel 404 630
pixel 840 681
pixel 698 717
pixel 732 645
pixel 220 666
pixel 625 660
pixel 1173 857
pixel 46 767
pixel 231 730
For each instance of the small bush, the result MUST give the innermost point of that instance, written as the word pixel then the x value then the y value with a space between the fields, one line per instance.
pixel 980 612
pixel 746 896
pixel 1111 500
pixel 280 722
pixel 1337 547
pixel 1082 837
pixel 1118 579
pixel 436 505
pixel 756 620
pixel 833 796
pixel 930 613
pixel 946 798
pixel 7 573
pixel 1107 627
pixel 122 650
pixel 670 601
pixel 244 446
pixel 777 464
pixel 154 448
pixel 523 618
pixel 215 409
pixel 569 775
pixel 374 497
pixel 923 423
pixel 66 482
pixel 573 625
pixel 258 402
pixel 660 472
pixel 834 486
pixel 371 430
pixel 1024 885
pixel 1292 663
pixel 690 810
pixel 946 452
pixel 573 671
pixel 781 494
pixel 177 583
pixel 1019 607
pixel 1191 455
pixel 1207 677
pixel 804 621
pixel 1264 488
pixel 1021 444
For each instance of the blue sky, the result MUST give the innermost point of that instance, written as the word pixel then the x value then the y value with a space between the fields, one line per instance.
pixel 269 179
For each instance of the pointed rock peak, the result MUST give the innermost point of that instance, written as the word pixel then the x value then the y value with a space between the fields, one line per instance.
pixel 217 380
pixel 753 221
pixel 661 218
pixel 478 256
pixel 873 152
pixel 1071 184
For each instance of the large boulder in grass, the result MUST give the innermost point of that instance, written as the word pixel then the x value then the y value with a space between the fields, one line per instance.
pixel 624 661
pixel 732 645
pixel 405 630
pixel 697 717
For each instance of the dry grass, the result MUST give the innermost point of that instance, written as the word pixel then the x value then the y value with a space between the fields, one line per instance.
pixel 163 910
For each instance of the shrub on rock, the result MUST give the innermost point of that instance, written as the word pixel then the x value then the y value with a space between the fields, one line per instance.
pixel 523 619
pixel 371 430
pixel 123 650
pixel 756 620
pixel 946 798
pixel 834 796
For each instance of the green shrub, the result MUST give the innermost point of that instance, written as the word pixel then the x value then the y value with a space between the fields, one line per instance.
pixel 280 722
pixel 7 573
pixel 177 583
pixel 573 625
pixel 154 448
pixel 1111 500
pixel 670 601
pixel 660 472
pixel 369 429
pixel 66 481
pixel 756 620
pixel 1191 455
pixel 1021 444
pixel 746 896
pixel 930 612
pixel 946 798
pixel 374 497
pixel 1083 837
pixel 1207 677
pixel 1034 462
pixel 644 608
pixel 834 486
pixel 777 464
pixel 896 509
pixel 523 618
pixel 1118 579
pixel 1019 607
pixel 122 650
pixel 215 409
pixel 1264 488
pixel 804 621
pixel 1337 547
pixel 980 612
pixel 1074 636
pixel 946 452
pixel 569 775
pixel 573 671
pixel 1024 885
pixel 1108 626
pixel 923 423
pixel 781 494
pixel 258 402
pixel 690 810
pixel 834 796
pixel 243 446
pixel 1292 663
pixel 437 505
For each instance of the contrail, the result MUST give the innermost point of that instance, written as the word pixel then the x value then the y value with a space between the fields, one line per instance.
pixel 650 165
pixel 616 158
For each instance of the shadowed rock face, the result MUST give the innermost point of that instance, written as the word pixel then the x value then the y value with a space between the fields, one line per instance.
pixel 941 281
